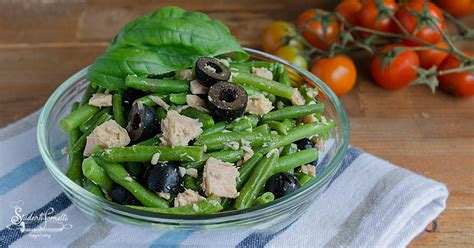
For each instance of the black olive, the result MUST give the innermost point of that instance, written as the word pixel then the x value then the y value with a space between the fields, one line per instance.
pixel 142 123
pixel 164 178
pixel 130 95
pixel 210 71
pixel 122 196
pixel 226 101
pixel 304 144
pixel 282 184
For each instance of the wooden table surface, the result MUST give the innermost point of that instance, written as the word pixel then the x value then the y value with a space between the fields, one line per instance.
pixel 42 42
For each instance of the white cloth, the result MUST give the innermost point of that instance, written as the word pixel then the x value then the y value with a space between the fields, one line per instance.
pixel 369 203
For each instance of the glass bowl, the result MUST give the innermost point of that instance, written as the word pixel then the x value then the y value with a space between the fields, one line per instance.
pixel 274 215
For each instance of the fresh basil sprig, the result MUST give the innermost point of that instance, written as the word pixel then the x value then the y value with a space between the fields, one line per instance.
pixel 160 42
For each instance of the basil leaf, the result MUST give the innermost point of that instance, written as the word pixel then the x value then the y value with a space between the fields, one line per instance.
pixel 160 42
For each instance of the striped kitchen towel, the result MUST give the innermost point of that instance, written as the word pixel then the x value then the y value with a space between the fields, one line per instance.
pixel 370 203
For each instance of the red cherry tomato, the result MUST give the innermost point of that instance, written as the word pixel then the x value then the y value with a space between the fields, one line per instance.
pixel 348 9
pixel 318 27
pixel 458 83
pixel 368 16
pixel 418 27
pixel 338 72
pixel 399 72
pixel 457 7
pixel 432 57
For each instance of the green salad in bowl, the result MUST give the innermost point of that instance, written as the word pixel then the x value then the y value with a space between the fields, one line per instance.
pixel 178 119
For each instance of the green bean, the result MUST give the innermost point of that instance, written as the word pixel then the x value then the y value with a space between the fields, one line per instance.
pixel 216 128
pixel 204 118
pixel 278 126
pixel 297 159
pixel 153 141
pixel 247 66
pixel 243 123
pixel 217 141
pixel 304 92
pixel 264 198
pixel 292 112
pixel 119 175
pixel 207 206
pixel 289 149
pixel 192 183
pixel 117 108
pixel 87 94
pixel 81 142
pixel 246 169
pixel 93 188
pixel 303 178
pixel 251 90
pixel 145 153
pixel 96 174
pixel 147 100
pixel 86 127
pixel 283 76
pixel 160 113
pixel 77 117
pixel 298 133
pixel 244 173
pixel 135 169
pixel 230 156
pixel 264 128
pixel 264 84
pixel 254 185
pixel 178 99
pixel 100 90
pixel 157 85
pixel 290 123
pixel 74 171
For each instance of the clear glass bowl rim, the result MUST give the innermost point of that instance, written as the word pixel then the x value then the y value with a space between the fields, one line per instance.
pixel 193 219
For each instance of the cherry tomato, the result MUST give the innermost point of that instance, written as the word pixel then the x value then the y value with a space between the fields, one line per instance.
pixel 276 35
pixel 457 7
pixel 400 70
pixel 368 16
pixel 458 83
pixel 348 9
pixel 292 55
pixel 432 57
pixel 338 72
pixel 422 30
pixel 319 28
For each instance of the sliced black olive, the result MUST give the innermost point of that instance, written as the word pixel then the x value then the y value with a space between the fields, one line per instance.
pixel 210 71
pixel 122 196
pixel 142 123
pixel 282 184
pixel 130 95
pixel 226 101
pixel 304 144
pixel 164 178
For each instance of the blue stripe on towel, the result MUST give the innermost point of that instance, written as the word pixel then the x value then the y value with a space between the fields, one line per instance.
pixel 21 174
pixel 12 233
pixel 171 238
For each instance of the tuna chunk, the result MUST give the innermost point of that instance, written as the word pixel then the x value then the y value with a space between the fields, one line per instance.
pixel 196 102
pixel 178 129
pixel 262 72
pixel 197 88
pixel 258 104
pixel 101 100
pixel 219 178
pixel 109 134
pixel 189 196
